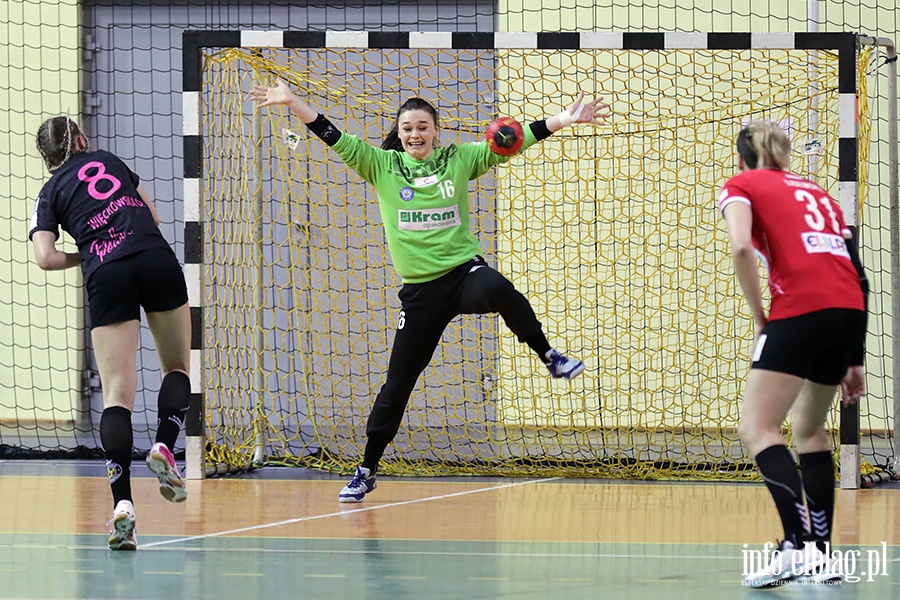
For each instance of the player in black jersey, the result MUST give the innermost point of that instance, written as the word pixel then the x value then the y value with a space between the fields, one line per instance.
pixel 127 264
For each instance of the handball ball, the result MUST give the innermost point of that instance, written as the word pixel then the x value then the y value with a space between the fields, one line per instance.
pixel 504 136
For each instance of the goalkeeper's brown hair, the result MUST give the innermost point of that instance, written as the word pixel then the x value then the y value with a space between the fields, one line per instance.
pixel 392 140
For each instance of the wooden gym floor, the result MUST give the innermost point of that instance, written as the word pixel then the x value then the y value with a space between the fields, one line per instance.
pixel 280 533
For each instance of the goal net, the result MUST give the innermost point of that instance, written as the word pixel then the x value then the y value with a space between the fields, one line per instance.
pixel 612 232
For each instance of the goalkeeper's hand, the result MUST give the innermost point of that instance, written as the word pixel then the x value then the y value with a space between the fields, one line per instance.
pixel 265 95
pixel 595 111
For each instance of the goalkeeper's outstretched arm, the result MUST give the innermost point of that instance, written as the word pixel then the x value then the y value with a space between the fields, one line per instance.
pixel 595 111
pixel 283 95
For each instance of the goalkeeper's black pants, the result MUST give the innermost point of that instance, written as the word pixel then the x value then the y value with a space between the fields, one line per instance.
pixel 426 310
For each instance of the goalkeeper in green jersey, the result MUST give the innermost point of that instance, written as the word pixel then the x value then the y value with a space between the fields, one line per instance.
pixel 423 196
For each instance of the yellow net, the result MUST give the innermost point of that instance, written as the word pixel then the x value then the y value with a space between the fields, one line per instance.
pixel 612 232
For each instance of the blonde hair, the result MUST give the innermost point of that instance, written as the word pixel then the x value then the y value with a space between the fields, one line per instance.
pixel 764 145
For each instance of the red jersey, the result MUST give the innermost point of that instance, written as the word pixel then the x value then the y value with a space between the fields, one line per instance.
pixel 798 230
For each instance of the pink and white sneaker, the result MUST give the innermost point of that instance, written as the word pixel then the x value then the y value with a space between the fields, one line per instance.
pixel 122 535
pixel 162 462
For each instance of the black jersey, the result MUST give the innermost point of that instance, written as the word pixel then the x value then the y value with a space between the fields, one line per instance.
pixel 94 198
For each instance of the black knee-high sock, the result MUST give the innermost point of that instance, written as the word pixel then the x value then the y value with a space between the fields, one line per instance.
pixel 174 397
pixel 117 440
pixel 817 469
pixel 780 474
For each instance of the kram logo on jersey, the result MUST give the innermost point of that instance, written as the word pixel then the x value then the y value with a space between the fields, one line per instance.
pixel 428 219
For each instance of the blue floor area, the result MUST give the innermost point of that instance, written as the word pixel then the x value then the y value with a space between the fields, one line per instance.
pixel 78 566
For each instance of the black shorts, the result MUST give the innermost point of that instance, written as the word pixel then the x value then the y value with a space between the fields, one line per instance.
pixel 150 278
pixel 817 346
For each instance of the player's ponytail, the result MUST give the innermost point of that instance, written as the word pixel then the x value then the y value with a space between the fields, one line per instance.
pixel 764 145
pixel 392 140
pixel 57 141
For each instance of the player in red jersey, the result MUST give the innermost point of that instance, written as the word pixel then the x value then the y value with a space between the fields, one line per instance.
pixel 810 342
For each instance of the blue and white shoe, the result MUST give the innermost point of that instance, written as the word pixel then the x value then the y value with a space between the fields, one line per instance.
pixel 361 484
pixel 561 366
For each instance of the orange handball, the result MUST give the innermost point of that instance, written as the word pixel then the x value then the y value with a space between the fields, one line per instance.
pixel 504 136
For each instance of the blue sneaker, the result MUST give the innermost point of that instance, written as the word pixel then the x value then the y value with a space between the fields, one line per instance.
pixel 562 367
pixel 359 486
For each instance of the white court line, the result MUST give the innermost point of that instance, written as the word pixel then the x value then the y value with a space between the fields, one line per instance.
pixel 498 554
pixel 345 512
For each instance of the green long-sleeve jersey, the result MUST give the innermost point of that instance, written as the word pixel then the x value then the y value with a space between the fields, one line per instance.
pixel 424 203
